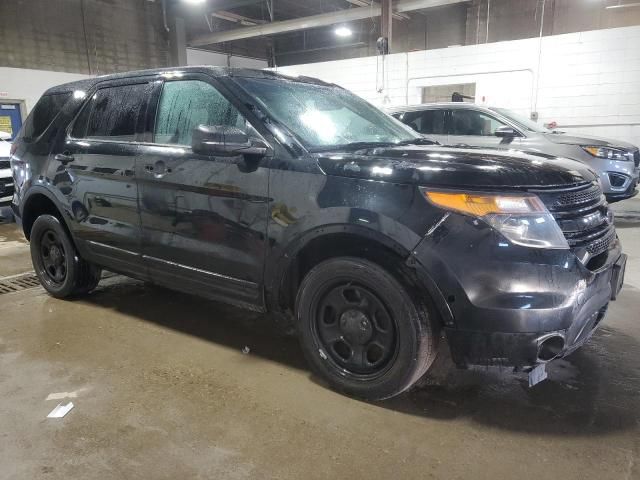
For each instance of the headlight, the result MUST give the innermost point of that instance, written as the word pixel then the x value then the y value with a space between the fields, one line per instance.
pixel 607 152
pixel 521 218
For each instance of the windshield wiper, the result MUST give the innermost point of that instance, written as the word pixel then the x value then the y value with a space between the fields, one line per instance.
pixel 419 141
pixel 354 145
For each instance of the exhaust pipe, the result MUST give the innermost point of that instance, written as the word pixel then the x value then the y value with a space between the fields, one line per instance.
pixel 550 348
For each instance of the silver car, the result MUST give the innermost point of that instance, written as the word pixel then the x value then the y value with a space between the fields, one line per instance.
pixel 464 124
pixel 6 180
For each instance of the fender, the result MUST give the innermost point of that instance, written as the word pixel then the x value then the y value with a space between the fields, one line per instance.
pixel 67 216
pixel 286 241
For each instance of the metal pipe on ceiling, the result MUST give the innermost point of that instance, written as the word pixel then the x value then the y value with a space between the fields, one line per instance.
pixel 314 21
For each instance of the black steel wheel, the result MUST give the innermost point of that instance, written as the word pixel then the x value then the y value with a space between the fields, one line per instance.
pixel 53 257
pixel 362 330
pixel 56 262
pixel 355 329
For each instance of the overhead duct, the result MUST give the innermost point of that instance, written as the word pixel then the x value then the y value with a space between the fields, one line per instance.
pixel 314 21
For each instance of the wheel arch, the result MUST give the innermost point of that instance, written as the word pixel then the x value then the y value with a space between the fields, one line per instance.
pixel 325 242
pixel 38 202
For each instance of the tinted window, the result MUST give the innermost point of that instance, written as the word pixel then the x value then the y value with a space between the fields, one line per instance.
pixel 425 121
pixel 185 104
pixel 471 122
pixel 43 114
pixel 111 113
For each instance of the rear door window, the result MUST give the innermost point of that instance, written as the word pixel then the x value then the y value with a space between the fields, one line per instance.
pixel 112 113
pixel 427 122
pixel 43 114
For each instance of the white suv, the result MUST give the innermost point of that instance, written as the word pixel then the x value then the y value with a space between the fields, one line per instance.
pixel 6 180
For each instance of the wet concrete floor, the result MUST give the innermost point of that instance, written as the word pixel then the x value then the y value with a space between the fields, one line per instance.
pixel 162 390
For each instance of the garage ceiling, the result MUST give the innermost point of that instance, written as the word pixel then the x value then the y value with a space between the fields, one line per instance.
pixel 271 28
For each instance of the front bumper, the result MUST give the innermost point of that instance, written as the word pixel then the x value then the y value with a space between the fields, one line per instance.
pixel 630 192
pixel 6 187
pixel 619 179
pixel 501 302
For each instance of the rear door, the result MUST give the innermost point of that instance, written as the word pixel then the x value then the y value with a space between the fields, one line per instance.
pixel 96 168
pixel 477 128
pixel 204 218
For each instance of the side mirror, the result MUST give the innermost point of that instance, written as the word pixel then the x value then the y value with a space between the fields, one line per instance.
pixel 506 132
pixel 5 136
pixel 220 140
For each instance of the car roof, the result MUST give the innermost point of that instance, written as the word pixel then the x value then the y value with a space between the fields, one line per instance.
pixel 434 106
pixel 206 69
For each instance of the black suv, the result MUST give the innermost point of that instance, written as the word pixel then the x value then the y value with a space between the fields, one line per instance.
pixel 292 195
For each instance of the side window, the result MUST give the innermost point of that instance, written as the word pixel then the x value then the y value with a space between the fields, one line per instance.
pixel 111 113
pixel 428 122
pixel 185 104
pixel 472 122
pixel 43 114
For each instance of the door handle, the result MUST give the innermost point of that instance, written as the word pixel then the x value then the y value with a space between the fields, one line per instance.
pixel 64 158
pixel 158 169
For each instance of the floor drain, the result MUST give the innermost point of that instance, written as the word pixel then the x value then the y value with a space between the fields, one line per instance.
pixel 15 283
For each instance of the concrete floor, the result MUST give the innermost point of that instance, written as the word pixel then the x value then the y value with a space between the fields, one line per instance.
pixel 162 390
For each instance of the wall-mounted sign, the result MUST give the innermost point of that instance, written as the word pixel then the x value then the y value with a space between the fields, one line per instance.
pixel 5 125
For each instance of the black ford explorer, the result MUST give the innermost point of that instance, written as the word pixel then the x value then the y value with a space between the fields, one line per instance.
pixel 292 195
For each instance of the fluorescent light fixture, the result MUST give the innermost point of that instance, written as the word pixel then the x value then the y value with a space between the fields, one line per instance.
pixel 623 5
pixel 343 32
pixel 194 2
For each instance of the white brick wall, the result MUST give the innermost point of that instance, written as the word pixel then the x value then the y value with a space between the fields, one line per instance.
pixel 588 81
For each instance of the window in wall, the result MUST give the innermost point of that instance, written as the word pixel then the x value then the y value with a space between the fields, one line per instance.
pixel 445 93
pixel 471 122
pixel 185 104
pixel 112 113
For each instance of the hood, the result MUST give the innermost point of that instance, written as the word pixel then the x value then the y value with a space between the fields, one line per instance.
pixel 565 139
pixel 455 167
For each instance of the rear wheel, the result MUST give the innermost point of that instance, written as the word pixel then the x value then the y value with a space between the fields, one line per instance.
pixel 362 331
pixel 57 264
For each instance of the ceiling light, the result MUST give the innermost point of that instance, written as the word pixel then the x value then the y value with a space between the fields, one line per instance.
pixel 343 32
pixel 194 2
pixel 624 5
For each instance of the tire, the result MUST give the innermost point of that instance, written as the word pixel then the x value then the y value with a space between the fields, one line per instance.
pixel 56 262
pixel 362 331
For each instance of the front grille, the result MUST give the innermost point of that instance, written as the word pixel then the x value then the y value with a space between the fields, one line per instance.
pixel 579 197
pixel 636 158
pixel 6 187
pixel 4 164
pixel 602 244
pixel 583 216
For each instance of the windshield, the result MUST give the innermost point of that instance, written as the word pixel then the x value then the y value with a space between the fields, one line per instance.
pixel 325 117
pixel 521 121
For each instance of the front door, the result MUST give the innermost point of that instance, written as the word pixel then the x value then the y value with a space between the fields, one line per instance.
pixel 96 170
pixel 204 218
pixel 475 128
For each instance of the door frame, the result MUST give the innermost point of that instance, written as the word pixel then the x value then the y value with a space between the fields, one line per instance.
pixel 211 284
pixel 127 262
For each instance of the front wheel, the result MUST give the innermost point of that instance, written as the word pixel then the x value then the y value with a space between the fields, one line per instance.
pixel 56 262
pixel 362 331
